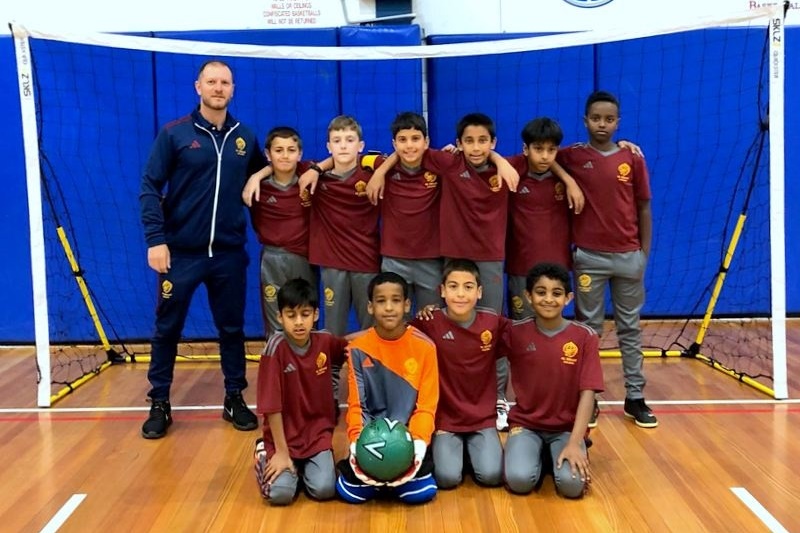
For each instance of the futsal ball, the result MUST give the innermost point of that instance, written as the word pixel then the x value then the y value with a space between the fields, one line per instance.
pixel 385 449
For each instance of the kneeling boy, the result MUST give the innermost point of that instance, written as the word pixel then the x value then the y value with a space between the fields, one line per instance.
pixel 295 397
pixel 392 373
pixel 555 373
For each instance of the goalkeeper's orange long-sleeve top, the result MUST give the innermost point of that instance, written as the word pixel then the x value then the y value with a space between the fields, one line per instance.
pixel 395 379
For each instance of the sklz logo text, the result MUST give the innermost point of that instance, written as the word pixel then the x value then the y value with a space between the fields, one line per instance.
pixel 777 24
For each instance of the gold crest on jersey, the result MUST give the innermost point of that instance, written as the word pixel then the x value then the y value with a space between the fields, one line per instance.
pixel 516 304
pixel 166 289
pixel 570 353
pixel 486 340
pixel 241 146
pixel 494 183
pixel 305 198
pixel 411 366
pixel 584 283
pixel 322 360
pixel 431 180
pixel 329 297
pixel 558 191
pixel 270 292
pixel 361 188
pixel 624 173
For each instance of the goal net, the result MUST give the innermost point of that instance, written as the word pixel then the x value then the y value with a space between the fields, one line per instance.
pixel 703 98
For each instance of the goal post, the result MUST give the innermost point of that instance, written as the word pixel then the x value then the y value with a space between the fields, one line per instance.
pixel 696 293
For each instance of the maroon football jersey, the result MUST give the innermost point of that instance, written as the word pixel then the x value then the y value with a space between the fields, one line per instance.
pixel 548 373
pixel 538 221
pixel 473 209
pixel 300 387
pixel 410 214
pixel 281 217
pixel 467 375
pixel 613 184
pixel 344 224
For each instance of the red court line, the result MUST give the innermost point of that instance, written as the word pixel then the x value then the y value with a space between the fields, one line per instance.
pixel 54 416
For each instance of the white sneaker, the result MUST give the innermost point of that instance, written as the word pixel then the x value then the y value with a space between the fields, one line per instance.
pixel 502 415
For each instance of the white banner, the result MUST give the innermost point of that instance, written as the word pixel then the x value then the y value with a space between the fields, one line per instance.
pixel 435 18
pixel 544 16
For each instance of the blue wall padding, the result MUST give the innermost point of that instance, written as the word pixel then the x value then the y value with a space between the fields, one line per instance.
pixel 141 91
pixel 16 310
pixel 265 97
pixel 391 86
pixel 540 84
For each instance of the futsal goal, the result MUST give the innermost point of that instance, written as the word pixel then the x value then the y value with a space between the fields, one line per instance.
pixel 702 97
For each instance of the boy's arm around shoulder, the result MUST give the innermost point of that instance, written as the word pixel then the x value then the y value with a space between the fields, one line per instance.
pixel 252 188
pixel 575 197
pixel 377 182
pixel 309 178
pixel 505 171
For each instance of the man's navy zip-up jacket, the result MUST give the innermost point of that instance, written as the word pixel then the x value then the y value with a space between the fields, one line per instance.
pixel 204 170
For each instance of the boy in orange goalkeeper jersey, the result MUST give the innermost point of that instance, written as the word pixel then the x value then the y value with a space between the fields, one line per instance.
pixel 392 373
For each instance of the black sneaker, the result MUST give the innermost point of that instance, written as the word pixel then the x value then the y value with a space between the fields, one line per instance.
pixel 595 414
pixel 235 411
pixel 158 421
pixel 640 413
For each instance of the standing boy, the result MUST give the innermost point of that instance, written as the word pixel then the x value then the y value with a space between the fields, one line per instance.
pixel 295 395
pixel 410 213
pixel 344 229
pixel 392 373
pixel 556 372
pixel 612 237
pixel 195 234
pixel 538 213
pixel 466 349
pixel 280 217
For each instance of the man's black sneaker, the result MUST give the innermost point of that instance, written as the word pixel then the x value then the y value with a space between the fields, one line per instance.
pixel 236 412
pixel 158 421
pixel 640 413
pixel 595 414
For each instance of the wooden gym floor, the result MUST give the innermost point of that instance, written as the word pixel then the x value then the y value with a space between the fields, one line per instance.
pixel 720 460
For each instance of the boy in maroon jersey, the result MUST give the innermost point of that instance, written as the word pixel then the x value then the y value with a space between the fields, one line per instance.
pixel 294 397
pixel 344 228
pixel 556 372
pixel 538 217
pixel 410 213
pixel 280 217
pixel 612 239
pixel 466 349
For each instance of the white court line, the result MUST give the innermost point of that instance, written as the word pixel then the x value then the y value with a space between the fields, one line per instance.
pixel 61 516
pixel 56 410
pixel 759 510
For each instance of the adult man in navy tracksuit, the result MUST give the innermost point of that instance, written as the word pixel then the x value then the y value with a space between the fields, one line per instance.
pixel 195 234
